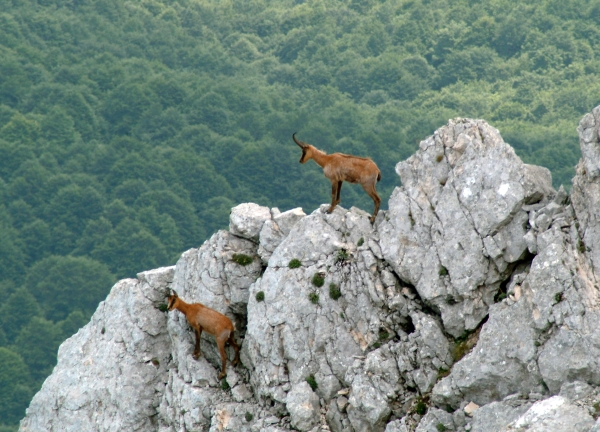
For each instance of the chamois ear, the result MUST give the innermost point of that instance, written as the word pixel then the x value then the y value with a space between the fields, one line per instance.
pixel 301 144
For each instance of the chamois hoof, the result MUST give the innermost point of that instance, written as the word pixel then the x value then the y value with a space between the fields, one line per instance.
pixel 196 356
pixel 235 362
pixel 372 219
pixel 222 375
pixel 329 210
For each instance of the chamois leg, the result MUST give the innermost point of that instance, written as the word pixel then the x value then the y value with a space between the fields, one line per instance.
pixel 370 190
pixel 334 193
pixel 221 340
pixel 339 192
pixel 236 348
pixel 196 353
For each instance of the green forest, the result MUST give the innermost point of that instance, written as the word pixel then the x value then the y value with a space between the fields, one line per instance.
pixel 129 128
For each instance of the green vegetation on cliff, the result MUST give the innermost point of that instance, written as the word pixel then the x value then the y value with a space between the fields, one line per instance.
pixel 128 129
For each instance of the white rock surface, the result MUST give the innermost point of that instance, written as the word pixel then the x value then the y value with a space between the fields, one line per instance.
pixel 246 220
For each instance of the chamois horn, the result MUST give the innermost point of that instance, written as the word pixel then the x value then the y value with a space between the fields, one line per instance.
pixel 300 143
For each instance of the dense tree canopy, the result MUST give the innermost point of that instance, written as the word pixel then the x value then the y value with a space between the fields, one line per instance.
pixel 128 129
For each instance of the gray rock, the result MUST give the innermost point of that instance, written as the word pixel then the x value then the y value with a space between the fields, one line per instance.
pixel 275 230
pixel 110 374
pixel 303 406
pixel 397 426
pixel 496 416
pixel 575 390
pixel 462 194
pixel 555 414
pixel 246 220
pixel 435 417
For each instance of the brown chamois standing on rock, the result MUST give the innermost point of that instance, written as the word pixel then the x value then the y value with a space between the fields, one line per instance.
pixel 339 167
pixel 201 318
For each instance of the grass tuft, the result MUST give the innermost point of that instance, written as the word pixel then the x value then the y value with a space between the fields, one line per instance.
pixel 334 291
pixel 313 297
pixel 420 407
pixel 225 385
pixel 242 259
pixel 318 280
pixel 260 296
pixel 295 263
pixel 342 256
pixel 312 382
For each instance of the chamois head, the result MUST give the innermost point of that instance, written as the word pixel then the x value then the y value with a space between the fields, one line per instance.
pixel 172 299
pixel 305 147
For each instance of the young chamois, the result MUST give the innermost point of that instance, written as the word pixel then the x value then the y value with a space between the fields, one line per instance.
pixel 339 167
pixel 201 318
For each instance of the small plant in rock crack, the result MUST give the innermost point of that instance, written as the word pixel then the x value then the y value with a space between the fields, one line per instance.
pixel 334 291
pixel 295 263
pixel 249 416
pixel 383 334
pixel 313 297
pixel 443 372
pixel 412 219
pixel 342 256
pixel 441 427
pixel 260 296
pixel 318 280
pixel 163 307
pixel 558 297
pixel 500 295
pixel 361 241
pixel 443 271
pixel 421 407
pixel 242 259
pixel 312 382
pixel 225 385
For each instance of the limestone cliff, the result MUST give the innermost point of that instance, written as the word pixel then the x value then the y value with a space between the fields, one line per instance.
pixel 472 304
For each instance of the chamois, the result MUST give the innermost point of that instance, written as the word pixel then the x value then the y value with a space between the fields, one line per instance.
pixel 339 167
pixel 201 318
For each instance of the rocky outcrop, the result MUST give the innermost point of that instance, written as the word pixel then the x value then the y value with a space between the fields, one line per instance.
pixel 470 305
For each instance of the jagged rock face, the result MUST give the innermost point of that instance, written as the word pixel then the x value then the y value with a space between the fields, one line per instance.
pixel 111 374
pixel 462 196
pixel 348 326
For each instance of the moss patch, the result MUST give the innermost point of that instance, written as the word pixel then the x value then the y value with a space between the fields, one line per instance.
pixel 294 263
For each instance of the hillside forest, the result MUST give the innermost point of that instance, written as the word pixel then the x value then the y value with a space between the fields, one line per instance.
pixel 129 128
